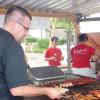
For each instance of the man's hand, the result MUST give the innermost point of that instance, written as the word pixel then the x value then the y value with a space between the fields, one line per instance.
pixel 53 58
pixel 53 93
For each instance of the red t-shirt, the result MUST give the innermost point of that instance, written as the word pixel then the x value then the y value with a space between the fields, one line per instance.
pixel 81 55
pixel 50 52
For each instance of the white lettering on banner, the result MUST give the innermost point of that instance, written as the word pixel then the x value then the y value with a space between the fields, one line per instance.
pixel 80 51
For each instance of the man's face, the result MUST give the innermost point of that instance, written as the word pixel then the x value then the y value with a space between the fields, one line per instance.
pixel 22 28
pixel 55 42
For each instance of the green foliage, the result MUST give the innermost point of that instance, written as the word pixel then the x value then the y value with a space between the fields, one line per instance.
pixel 43 43
pixel 40 45
pixel 62 41
pixel 30 39
pixel 38 50
pixel 64 23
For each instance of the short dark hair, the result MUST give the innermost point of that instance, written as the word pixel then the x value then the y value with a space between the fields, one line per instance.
pixel 54 38
pixel 13 8
pixel 83 37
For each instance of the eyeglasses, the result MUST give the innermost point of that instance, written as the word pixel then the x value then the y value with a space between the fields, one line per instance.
pixel 26 28
pixel 55 41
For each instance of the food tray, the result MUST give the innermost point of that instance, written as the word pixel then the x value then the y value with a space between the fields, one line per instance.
pixel 45 75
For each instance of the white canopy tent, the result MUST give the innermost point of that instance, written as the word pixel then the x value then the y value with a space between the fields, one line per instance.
pixel 55 7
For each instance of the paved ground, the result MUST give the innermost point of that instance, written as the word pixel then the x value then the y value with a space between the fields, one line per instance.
pixel 37 60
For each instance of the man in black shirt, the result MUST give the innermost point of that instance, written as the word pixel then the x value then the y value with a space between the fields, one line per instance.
pixel 13 75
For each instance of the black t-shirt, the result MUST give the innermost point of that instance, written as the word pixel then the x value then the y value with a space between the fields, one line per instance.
pixel 13 71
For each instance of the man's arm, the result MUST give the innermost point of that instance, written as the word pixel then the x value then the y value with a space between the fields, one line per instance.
pixel 50 58
pixel 30 90
pixel 96 56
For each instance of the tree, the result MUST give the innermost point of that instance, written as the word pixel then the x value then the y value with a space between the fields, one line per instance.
pixel 63 23
pixel 68 25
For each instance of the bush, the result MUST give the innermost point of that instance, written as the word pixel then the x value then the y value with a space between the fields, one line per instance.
pixel 43 43
pixel 30 40
pixel 62 41
pixel 40 45
pixel 38 50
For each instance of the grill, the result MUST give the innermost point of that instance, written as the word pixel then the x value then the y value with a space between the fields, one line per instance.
pixel 82 86
pixel 82 92
pixel 45 75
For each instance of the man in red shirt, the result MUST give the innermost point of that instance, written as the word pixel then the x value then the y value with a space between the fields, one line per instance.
pixel 53 54
pixel 81 55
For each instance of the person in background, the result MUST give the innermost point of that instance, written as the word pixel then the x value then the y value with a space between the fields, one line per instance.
pixel 14 83
pixel 81 55
pixel 98 75
pixel 97 63
pixel 53 54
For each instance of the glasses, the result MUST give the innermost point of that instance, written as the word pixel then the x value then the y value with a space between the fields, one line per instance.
pixel 26 28
pixel 55 41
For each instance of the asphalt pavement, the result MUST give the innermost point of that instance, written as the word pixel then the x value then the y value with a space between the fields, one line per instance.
pixel 37 60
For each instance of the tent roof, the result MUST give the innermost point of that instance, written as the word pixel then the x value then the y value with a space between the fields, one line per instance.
pixel 54 7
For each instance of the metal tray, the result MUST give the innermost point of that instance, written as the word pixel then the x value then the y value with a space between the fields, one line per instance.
pixel 45 75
